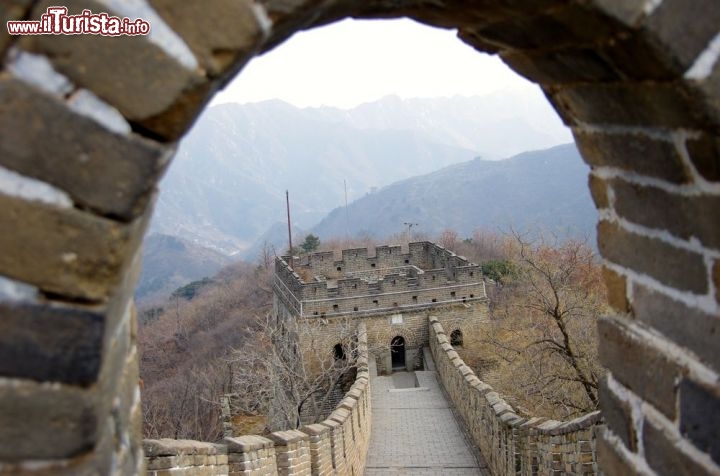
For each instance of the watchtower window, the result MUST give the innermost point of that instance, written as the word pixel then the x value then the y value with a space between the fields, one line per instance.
pixel 315 313
pixel 372 265
pixel 414 298
pixel 472 296
pixel 339 352
pixel 335 307
pixel 339 268
pixel 472 273
pixel 434 300
pixel 375 301
pixel 456 338
pixel 355 308
pixel 407 261
pixel 452 293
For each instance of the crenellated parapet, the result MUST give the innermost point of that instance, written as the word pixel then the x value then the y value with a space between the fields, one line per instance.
pixel 392 278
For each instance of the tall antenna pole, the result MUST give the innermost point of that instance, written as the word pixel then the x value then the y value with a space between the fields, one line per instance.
pixel 287 201
pixel 347 216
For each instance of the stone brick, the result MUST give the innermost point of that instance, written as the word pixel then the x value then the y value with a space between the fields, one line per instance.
pixel 610 459
pixel 640 57
pixel 683 216
pixel 664 455
pixel 634 152
pixel 11 10
pixel 688 327
pixel 51 342
pixel 627 11
pixel 46 421
pixel 65 251
pixel 716 279
pixel 669 22
pixel 628 104
pixel 571 25
pixel 131 73
pixel 655 376
pixel 618 416
pixel 560 66
pixel 222 34
pixel 617 290
pixel 700 417
pixel 679 268
pixel 704 151
pixel 111 174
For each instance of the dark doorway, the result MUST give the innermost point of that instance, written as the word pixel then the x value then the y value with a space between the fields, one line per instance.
pixel 339 352
pixel 456 338
pixel 397 352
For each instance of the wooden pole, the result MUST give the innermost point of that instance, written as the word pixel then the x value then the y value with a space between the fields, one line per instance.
pixel 287 201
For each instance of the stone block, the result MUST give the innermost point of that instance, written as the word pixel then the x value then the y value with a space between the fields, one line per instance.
pixel 570 25
pixel 683 216
pixel 618 416
pixel 679 268
pixel 563 66
pixel 704 152
pixel 41 137
pixel 669 23
pixel 598 191
pixel 700 417
pixel 85 257
pixel 11 10
pixel 634 152
pixel 628 104
pixel 141 79
pixel 44 421
pixel 222 34
pixel 663 454
pixel 610 458
pixel 51 342
pixel 688 327
pixel 716 279
pixel 654 380
pixel 616 285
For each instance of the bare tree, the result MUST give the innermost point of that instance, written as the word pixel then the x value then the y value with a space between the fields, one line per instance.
pixel 291 373
pixel 544 328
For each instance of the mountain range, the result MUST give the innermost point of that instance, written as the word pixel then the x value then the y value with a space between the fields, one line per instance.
pixel 540 190
pixel 226 186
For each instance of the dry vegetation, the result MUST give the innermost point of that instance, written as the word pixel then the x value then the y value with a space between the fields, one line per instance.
pixel 540 345
pixel 184 349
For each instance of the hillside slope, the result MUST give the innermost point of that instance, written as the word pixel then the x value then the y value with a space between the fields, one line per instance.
pixel 544 189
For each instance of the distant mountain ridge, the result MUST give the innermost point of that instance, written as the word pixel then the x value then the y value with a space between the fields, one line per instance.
pixel 227 183
pixel 539 190
pixel 170 262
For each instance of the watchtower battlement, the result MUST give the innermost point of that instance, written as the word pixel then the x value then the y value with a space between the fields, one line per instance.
pixel 423 274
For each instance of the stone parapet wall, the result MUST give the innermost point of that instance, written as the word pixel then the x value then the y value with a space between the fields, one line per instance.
pixel 510 443
pixel 337 445
pixel 428 275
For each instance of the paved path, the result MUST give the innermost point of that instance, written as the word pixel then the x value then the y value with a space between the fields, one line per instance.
pixel 414 431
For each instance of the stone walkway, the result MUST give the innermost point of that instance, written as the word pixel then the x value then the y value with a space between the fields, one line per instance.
pixel 414 431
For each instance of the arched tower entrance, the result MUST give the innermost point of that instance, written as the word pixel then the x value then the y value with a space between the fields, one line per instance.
pixel 397 353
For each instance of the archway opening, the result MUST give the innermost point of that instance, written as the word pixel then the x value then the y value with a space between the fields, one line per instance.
pixel 456 338
pixel 339 352
pixel 397 353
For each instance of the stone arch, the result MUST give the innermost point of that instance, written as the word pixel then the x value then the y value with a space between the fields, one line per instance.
pixel 456 338
pixel 638 86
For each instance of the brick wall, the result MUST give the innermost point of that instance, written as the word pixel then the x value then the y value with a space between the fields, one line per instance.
pixel 337 445
pixel 510 443
pixel 88 124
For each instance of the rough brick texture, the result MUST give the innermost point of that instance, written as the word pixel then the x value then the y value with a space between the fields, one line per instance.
pixel 638 81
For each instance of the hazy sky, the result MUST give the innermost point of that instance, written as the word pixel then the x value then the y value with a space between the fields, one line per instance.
pixel 352 62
